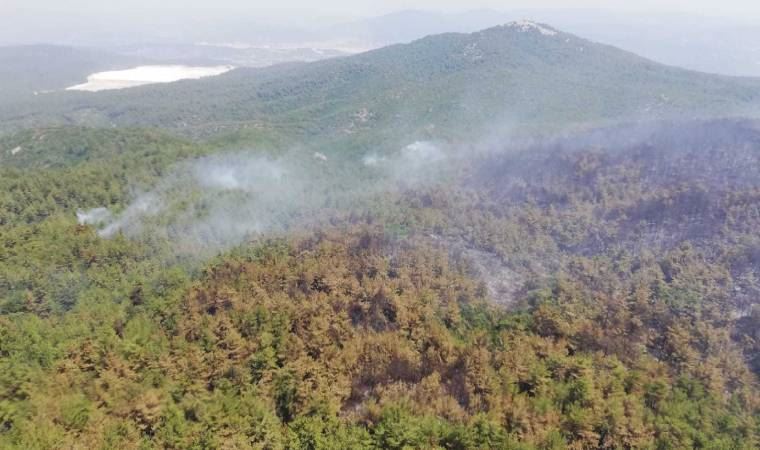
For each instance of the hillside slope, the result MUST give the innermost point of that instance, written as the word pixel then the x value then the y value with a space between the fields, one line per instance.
pixel 522 74
pixel 629 258
pixel 27 69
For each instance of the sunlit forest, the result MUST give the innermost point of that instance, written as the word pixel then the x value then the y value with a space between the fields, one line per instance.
pixel 568 293
pixel 515 238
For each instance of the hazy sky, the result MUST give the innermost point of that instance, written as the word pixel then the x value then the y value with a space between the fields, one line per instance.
pixel 103 22
pixel 356 8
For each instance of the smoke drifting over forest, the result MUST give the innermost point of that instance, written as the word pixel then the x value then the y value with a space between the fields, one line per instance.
pixel 215 202
pixel 509 235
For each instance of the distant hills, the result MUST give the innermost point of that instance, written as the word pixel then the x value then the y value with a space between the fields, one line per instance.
pixel 27 69
pixel 707 44
pixel 237 54
pixel 409 25
pixel 521 74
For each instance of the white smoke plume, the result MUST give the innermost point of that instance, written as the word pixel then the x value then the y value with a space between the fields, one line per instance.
pixel 94 216
pixel 145 205
pixel 218 201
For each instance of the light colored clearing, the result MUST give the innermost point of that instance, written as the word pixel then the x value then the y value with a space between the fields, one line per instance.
pixel 527 25
pixel 142 75
pixel 16 150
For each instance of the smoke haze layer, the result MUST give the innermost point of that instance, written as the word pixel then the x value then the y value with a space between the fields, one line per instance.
pixel 215 202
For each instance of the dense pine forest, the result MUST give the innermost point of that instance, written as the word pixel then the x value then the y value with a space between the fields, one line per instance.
pixel 563 293
pixel 511 239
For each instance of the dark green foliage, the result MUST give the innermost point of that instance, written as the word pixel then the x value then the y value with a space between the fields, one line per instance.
pixel 447 85
pixel 569 296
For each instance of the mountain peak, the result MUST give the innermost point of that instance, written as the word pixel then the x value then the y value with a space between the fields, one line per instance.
pixel 527 26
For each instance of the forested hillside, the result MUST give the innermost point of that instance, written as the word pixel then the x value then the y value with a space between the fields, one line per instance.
pixel 597 290
pixel 522 75
pixel 511 239
pixel 29 70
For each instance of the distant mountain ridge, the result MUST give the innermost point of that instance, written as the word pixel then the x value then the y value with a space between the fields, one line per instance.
pixel 27 69
pixel 522 74
pixel 409 25
pixel 707 44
